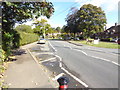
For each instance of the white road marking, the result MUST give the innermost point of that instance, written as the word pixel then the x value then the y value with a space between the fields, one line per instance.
pixel 68 46
pixel 99 58
pixel 52 47
pixel 58 76
pixel 105 60
pixel 81 51
pixel 77 79
pixel 59 57
pixel 48 60
pixel 60 64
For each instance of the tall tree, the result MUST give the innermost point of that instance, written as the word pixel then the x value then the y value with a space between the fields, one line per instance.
pixel 19 12
pixel 91 19
pixel 58 29
pixel 71 20
pixel 40 25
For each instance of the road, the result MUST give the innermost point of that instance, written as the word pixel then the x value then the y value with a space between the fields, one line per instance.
pixel 96 69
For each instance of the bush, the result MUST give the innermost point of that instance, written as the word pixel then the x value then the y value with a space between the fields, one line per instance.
pixel 26 38
pixel 2 55
pixel 106 39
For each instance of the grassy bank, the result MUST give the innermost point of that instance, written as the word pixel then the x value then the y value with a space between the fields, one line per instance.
pixel 101 44
pixel 27 38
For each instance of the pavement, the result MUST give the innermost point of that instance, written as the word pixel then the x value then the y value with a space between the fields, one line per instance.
pixel 25 72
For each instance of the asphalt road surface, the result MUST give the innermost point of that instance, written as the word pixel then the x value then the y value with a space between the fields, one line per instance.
pixel 96 69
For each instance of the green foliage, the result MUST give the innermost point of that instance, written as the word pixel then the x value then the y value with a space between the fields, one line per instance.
pixel 7 45
pixel 19 12
pixel 101 44
pixel 58 29
pixel 89 19
pixel 43 27
pixel 27 38
pixel 24 28
pixel 92 19
pixel 2 55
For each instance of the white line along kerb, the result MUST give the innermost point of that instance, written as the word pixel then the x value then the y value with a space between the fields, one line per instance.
pixel 58 57
pixel 77 79
pixel 52 47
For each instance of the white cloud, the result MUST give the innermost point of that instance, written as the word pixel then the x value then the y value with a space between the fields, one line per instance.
pixel 55 24
pixel 108 5
pixel 109 25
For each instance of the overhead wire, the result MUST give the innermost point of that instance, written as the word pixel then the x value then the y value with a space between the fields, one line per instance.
pixel 61 12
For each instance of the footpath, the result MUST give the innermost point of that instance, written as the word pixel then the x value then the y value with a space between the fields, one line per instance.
pixel 25 72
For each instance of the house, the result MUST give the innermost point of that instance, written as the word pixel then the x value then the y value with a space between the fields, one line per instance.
pixel 112 32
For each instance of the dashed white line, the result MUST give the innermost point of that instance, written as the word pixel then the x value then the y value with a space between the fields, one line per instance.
pixel 52 47
pixel 68 46
pixel 81 51
pixel 99 58
pixel 105 60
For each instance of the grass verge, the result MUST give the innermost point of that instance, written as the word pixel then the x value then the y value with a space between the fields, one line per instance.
pixel 101 44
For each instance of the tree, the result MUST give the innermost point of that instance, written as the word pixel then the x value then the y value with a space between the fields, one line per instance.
pixel 91 19
pixel 19 12
pixel 40 25
pixel 71 20
pixel 58 29
pixel 24 28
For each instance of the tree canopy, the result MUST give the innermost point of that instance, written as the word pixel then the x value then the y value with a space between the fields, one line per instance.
pixel 89 19
pixel 24 28
pixel 19 12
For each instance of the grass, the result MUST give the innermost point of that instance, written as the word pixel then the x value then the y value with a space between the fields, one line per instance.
pixel 101 44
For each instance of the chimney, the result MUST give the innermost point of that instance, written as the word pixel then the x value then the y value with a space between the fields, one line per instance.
pixel 115 24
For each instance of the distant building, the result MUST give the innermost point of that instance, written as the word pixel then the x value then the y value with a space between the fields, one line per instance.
pixel 112 32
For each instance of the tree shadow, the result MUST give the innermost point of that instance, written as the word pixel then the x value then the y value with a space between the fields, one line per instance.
pixel 18 52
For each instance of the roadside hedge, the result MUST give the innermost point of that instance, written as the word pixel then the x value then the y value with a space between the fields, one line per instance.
pixel 26 38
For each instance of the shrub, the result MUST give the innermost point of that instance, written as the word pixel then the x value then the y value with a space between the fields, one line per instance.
pixel 26 38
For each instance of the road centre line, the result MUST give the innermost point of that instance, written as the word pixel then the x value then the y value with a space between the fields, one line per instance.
pixel 68 46
pixel 77 79
pixel 81 51
pixel 98 57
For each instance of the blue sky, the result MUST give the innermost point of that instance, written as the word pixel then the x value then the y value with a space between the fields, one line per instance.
pixel 62 7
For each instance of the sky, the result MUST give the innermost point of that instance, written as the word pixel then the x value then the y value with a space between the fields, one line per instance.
pixel 62 8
